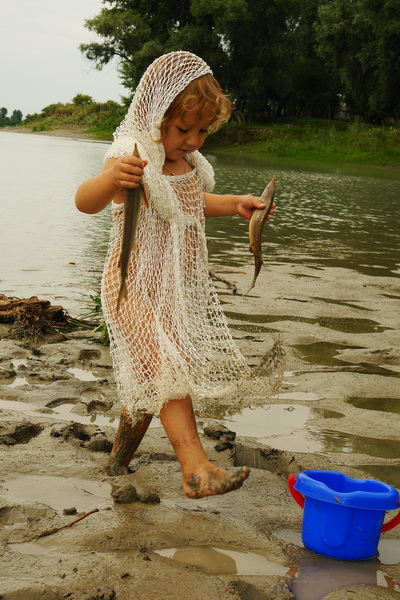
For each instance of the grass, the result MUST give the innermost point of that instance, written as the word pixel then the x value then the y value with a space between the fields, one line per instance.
pixel 319 140
pixel 326 141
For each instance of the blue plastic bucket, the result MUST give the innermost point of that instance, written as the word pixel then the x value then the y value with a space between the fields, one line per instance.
pixel 343 517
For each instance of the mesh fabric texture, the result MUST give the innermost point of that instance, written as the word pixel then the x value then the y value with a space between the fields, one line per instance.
pixel 170 338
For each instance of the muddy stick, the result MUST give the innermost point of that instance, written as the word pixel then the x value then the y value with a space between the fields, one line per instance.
pixel 51 531
pixel 229 283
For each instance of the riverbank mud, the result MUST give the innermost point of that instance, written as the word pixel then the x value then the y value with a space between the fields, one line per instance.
pixel 338 409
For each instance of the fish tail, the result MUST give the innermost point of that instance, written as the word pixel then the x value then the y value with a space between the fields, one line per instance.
pixel 253 283
pixel 258 264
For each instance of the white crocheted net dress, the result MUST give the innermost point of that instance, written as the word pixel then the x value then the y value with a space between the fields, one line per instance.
pixel 170 338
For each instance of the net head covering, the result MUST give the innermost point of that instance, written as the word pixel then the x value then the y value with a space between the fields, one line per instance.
pixel 163 80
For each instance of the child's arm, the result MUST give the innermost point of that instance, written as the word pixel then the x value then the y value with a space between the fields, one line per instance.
pixel 97 192
pixel 218 205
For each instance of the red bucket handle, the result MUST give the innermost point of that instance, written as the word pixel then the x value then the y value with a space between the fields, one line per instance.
pixel 391 523
pixel 300 501
pixel 296 495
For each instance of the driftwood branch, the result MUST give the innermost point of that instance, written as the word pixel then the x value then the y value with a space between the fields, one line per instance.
pixel 29 310
pixel 30 318
pixel 51 531
pixel 228 282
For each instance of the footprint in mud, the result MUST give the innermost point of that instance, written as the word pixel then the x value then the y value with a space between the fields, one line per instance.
pixel 18 433
pixel 87 436
pixel 18 513
pixel 87 355
pixel 269 459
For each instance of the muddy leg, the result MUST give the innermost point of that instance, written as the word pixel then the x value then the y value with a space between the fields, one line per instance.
pixel 128 437
pixel 200 477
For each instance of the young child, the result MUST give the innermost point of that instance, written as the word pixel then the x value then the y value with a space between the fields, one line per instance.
pixel 170 343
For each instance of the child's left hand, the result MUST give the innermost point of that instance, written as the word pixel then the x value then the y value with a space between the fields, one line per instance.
pixel 247 204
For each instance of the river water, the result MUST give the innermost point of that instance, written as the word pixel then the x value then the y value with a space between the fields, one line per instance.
pixel 49 249
pixel 344 218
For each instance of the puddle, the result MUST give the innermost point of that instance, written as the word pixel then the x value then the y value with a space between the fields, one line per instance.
pixel 316 581
pixel 57 492
pixel 82 374
pixel 335 441
pixel 37 548
pixel 389 552
pixel 19 362
pixel 391 405
pixel 65 411
pixel 221 561
pixel 342 303
pixel 289 428
pixel 95 395
pixel 388 549
pixel 328 354
pixel 13 382
pixel 280 423
pixel 282 426
pixel 315 576
pixel 345 324
pixel 387 473
pixel 322 353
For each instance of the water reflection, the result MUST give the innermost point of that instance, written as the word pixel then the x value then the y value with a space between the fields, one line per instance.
pixel 57 252
pixel 387 473
pixel 316 580
pixel 322 353
pixel 315 576
pixel 323 218
pixel 382 404
pixel 336 441
pixel 345 324
pixel 223 561
pixel 57 492
pixel 328 354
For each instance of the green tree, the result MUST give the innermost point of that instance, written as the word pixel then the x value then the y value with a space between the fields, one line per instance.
pixel 360 41
pixel 82 100
pixel 16 118
pixel 262 51
pixel 4 120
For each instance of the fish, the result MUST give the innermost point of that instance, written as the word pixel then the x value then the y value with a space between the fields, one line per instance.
pixel 258 218
pixel 133 202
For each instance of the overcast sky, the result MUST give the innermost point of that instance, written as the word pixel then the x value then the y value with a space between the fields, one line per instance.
pixel 40 62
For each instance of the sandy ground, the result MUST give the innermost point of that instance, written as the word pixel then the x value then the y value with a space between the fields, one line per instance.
pixel 58 412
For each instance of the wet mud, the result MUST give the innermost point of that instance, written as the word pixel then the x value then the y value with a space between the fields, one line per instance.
pixel 338 409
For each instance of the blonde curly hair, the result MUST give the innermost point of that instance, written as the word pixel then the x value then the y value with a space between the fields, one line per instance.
pixel 203 95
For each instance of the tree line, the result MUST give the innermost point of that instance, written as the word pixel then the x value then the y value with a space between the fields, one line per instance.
pixel 13 121
pixel 276 57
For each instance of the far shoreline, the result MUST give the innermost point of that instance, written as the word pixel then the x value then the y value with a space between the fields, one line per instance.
pixel 290 162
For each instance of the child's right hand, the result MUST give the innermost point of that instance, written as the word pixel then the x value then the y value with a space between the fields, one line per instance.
pixel 127 171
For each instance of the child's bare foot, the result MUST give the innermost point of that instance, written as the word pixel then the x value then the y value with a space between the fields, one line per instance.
pixel 210 482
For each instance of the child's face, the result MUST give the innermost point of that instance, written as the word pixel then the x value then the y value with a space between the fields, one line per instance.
pixel 184 134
